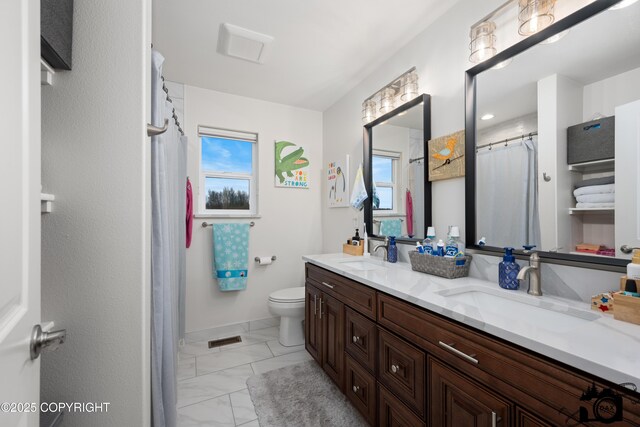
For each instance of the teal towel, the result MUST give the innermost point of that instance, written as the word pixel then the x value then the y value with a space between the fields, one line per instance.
pixel 231 255
pixel 391 227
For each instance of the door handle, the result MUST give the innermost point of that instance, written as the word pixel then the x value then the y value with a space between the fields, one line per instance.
pixel 395 368
pixel 45 341
pixel 454 350
pixel 355 388
pixel 355 339
pixel 494 419
pixel 315 305
pixel 321 308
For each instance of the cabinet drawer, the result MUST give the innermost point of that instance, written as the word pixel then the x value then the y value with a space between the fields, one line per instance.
pixel 357 296
pixel 360 388
pixel 360 339
pixel 458 401
pixel 393 413
pixel 401 368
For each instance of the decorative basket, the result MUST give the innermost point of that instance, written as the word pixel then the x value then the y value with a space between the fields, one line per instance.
pixel 440 266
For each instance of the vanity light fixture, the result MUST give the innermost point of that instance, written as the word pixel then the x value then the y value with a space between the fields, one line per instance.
pixel 535 15
pixel 483 41
pixel 387 100
pixel 398 91
pixel 487 116
pixel 368 110
pixel 623 4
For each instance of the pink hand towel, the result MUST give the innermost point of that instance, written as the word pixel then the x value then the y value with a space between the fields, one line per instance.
pixel 189 219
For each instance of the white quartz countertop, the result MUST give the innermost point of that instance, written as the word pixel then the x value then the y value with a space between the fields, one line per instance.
pixel 565 330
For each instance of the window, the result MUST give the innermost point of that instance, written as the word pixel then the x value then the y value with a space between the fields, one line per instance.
pixel 385 170
pixel 228 172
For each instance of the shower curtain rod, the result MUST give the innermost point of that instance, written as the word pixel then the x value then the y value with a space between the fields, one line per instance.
pixel 175 116
pixel 505 141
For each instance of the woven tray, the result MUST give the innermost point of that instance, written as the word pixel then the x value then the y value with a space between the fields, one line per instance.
pixel 440 266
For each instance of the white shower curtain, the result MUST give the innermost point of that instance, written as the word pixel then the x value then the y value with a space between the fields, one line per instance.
pixel 168 193
pixel 507 194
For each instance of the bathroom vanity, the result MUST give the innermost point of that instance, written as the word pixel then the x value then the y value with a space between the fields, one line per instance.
pixel 411 349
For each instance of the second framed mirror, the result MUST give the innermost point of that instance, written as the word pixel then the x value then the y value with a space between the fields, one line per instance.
pixel 396 174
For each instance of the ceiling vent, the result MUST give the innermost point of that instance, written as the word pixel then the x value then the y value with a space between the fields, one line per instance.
pixel 244 44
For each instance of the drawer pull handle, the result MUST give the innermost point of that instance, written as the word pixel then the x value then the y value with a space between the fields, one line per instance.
pixel 315 305
pixel 355 388
pixel 321 308
pixel 454 350
pixel 355 339
pixel 327 285
pixel 395 368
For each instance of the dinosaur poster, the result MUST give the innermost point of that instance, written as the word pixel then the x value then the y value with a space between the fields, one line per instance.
pixel 446 156
pixel 291 168
pixel 338 183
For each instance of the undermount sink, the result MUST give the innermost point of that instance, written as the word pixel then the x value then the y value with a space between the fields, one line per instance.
pixel 361 265
pixel 522 309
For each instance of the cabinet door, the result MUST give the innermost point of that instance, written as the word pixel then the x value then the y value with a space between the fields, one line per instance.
pixel 360 388
pixel 456 401
pixel 360 338
pixel 332 314
pixel 392 413
pixel 527 419
pixel 401 368
pixel 312 324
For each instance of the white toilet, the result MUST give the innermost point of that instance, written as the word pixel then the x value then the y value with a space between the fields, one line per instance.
pixel 289 305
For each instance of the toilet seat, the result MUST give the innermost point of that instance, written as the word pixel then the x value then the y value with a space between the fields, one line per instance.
pixel 289 295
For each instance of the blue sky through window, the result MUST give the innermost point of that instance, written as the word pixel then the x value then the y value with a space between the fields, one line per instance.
pixel 382 169
pixel 226 155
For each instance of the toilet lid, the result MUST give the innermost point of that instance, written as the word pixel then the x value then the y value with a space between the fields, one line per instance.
pixel 288 295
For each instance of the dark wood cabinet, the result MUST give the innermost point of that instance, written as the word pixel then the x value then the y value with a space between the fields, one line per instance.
pixel 455 401
pixel 401 368
pixel 393 413
pixel 360 388
pixel 402 365
pixel 332 315
pixel 312 324
pixel 360 339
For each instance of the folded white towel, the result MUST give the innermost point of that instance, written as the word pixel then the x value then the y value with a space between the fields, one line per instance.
pixel 595 189
pixel 595 205
pixel 597 198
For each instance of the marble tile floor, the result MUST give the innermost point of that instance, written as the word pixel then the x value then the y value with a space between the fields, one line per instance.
pixel 212 388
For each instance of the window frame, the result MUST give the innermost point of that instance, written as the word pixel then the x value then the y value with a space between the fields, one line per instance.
pixel 395 175
pixel 229 134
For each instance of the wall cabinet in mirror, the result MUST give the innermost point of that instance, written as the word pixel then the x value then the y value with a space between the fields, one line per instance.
pixel 553 142
pixel 395 171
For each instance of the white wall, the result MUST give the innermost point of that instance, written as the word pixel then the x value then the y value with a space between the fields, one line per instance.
pixel 289 223
pixel 95 243
pixel 440 54
pixel 604 96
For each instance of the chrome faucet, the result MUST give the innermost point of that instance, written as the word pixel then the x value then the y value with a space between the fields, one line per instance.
pixel 534 275
pixel 384 246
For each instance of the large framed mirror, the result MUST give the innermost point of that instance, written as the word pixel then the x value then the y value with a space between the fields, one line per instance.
pixel 395 172
pixel 553 140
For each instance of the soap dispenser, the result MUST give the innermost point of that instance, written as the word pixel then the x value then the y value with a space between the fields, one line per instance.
pixel 392 250
pixel 508 271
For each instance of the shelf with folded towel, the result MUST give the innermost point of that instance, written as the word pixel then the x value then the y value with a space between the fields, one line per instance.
pixel 46 202
pixel 599 211
pixel 607 165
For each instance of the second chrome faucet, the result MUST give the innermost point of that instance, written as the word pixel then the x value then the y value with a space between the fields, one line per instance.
pixel 533 270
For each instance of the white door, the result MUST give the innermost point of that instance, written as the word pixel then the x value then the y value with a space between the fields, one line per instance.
pixel 19 208
pixel 627 176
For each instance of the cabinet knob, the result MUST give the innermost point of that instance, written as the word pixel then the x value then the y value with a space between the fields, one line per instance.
pixel 355 388
pixel 395 368
pixel 355 338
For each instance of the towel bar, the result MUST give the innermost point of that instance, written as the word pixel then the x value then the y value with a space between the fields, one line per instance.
pixel 205 225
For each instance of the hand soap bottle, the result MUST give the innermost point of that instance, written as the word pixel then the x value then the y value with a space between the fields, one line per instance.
pixel 392 250
pixel 508 271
